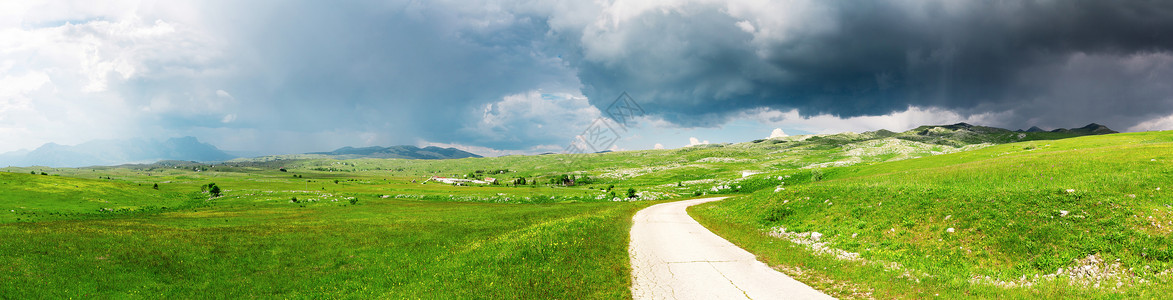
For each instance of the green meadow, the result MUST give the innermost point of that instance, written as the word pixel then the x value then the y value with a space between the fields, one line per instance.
pixel 245 246
pixel 1085 217
pixel 939 210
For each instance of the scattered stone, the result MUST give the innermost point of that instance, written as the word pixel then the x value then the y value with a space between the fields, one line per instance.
pixel 1063 213
pixel 949 230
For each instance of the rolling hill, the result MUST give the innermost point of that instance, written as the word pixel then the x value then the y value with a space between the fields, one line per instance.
pixel 1084 217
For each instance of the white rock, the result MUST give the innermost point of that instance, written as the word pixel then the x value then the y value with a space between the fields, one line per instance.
pixel 950 229
pixel 1070 191
pixel 1063 213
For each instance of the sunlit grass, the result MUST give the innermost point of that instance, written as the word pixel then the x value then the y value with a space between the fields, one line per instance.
pixel 1016 211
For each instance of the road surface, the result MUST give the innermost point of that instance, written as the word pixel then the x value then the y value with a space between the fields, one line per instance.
pixel 674 257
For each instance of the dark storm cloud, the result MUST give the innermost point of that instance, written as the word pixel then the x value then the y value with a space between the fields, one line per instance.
pixel 404 71
pixel 1050 63
pixel 265 75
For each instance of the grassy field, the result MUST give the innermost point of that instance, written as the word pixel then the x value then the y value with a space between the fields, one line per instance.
pixel 306 226
pixel 1080 217
pixel 374 248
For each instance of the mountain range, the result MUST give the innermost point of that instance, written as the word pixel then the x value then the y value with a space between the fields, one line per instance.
pixel 406 152
pixel 1092 128
pixel 115 152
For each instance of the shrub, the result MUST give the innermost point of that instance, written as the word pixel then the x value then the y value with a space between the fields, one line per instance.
pixel 353 201
pixel 211 188
pixel 775 214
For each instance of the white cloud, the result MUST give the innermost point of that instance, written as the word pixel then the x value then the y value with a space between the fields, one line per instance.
pixel 229 118
pixel 69 82
pixel 223 94
pixel 692 141
pixel 896 121
pixel 658 146
pixel 746 26
pixel 1156 124
pixel 777 133
pixel 534 115
pixel 14 91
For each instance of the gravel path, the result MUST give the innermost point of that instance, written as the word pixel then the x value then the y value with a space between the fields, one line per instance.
pixel 674 257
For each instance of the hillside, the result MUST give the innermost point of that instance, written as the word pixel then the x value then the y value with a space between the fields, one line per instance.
pixel 1079 217
pixel 405 152
pixel 115 152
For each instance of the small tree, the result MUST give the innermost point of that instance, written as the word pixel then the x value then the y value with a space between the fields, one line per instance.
pixel 211 188
pixel 630 193
pixel 156 186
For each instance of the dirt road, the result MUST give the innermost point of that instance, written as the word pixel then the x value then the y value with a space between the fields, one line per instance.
pixel 674 257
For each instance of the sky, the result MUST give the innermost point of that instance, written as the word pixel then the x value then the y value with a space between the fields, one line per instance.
pixel 526 77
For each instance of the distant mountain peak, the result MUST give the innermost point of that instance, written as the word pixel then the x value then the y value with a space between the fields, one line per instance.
pixel 1092 128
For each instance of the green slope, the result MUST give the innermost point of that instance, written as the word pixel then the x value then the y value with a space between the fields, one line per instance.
pixel 978 223
pixel 27 197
